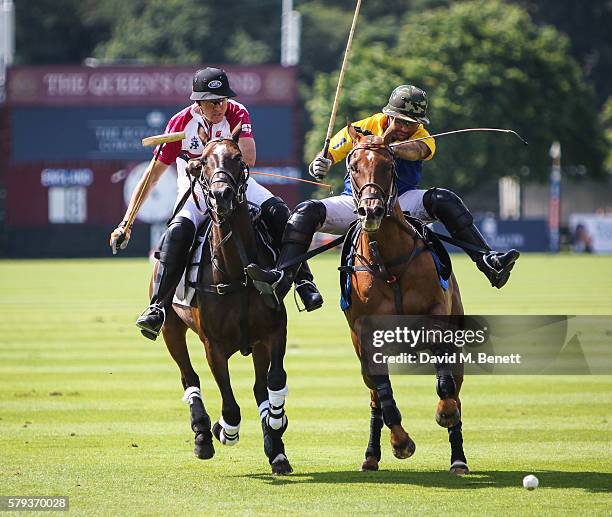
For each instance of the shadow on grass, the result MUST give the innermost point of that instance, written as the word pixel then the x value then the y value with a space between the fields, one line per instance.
pixel 595 482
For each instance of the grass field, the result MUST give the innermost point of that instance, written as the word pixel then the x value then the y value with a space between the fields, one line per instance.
pixel 90 409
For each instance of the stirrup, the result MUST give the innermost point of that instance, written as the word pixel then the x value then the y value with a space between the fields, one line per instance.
pixel 269 289
pixel 147 331
pixel 261 285
pixel 296 293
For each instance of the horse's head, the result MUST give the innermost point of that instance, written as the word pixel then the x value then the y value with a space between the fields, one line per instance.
pixel 224 175
pixel 371 169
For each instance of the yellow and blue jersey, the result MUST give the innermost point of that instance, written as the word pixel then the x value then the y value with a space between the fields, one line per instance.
pixel 408 172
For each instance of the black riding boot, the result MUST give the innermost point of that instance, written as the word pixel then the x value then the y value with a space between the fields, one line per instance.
pixel 299 230
pixel 172 261
pixel 449 209
pixel 275 213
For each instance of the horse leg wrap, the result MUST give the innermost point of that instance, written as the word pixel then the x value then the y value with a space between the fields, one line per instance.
pixel 264 409
pixel 376 425
pixel 445 386
pixel 276 414
pixel 390 412
pixel 192 392
pixel 229 433
pixel 200 421
pixel 455 438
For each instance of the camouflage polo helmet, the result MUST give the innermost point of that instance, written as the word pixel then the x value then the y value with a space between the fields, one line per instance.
pixel 408 103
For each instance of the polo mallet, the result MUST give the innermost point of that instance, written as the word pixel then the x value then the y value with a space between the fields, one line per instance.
pixel 147 141
pixel 468 130
pixel 332 118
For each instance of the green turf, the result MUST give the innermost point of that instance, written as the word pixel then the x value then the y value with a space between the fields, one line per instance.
pixel 90 409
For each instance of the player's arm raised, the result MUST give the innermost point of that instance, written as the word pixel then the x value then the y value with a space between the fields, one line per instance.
pixel 120 236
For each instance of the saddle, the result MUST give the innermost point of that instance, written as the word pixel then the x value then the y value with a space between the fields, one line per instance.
pixel 200 256
pixel 432 244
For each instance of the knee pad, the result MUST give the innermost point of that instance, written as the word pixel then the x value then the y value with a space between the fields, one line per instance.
pixel 448 208
pixel 307 217
pixel 275 213
pixel 445 386
pixel 178 238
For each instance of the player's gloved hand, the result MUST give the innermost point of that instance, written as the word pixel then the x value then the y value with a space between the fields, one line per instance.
pixel 319 167
pixel 120 237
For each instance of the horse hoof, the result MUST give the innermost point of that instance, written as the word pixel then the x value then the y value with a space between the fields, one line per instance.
pixel 405 449
pixel 281 466
pixel 447 413
pixel 369 464
pixel 204 448
pixel 459 468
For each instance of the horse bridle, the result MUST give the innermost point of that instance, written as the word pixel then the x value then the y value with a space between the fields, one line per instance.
pixel 237 186
pixel 387 197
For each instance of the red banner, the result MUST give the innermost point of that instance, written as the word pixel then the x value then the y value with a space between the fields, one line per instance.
pixel 112 86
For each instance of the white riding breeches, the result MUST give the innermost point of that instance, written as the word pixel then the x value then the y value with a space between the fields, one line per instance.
pixel 340 210
pixel 256 194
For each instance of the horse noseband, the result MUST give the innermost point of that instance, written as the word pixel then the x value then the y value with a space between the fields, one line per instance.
pixel 388 198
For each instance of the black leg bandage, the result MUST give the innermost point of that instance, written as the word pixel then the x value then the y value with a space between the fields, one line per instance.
pixel 455 438
pixel 390 412
pixel 376 425
pixel 448 208
pixel 445 386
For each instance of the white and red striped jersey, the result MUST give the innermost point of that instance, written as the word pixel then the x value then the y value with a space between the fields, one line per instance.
pixel 189 120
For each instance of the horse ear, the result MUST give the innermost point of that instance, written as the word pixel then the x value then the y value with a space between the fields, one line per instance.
pixel 388 134
pixel 355 136
pixel 236 132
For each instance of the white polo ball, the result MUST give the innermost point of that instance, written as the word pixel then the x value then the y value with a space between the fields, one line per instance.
pixel 530 482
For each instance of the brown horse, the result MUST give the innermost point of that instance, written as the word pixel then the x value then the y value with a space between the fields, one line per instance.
pixel 230 314
pixel 392 275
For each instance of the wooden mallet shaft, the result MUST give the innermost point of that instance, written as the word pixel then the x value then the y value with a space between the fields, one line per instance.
pixel 163 139
pixel 332 118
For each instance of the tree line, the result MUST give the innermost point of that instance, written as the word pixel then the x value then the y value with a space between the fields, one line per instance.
pixel 543 68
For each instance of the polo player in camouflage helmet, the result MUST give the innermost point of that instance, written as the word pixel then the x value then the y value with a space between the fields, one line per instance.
pixel 405 116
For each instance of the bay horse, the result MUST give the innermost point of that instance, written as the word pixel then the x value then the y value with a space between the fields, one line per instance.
pixel 392 275
pixel 230 315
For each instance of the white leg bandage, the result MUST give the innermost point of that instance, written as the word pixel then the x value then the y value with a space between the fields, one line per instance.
pixel 229 433
pixel 192 392
pixel 276 415
pixel 264 408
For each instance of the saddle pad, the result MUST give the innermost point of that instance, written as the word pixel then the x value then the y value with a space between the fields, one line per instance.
pixel 200 256
pixel 441 256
